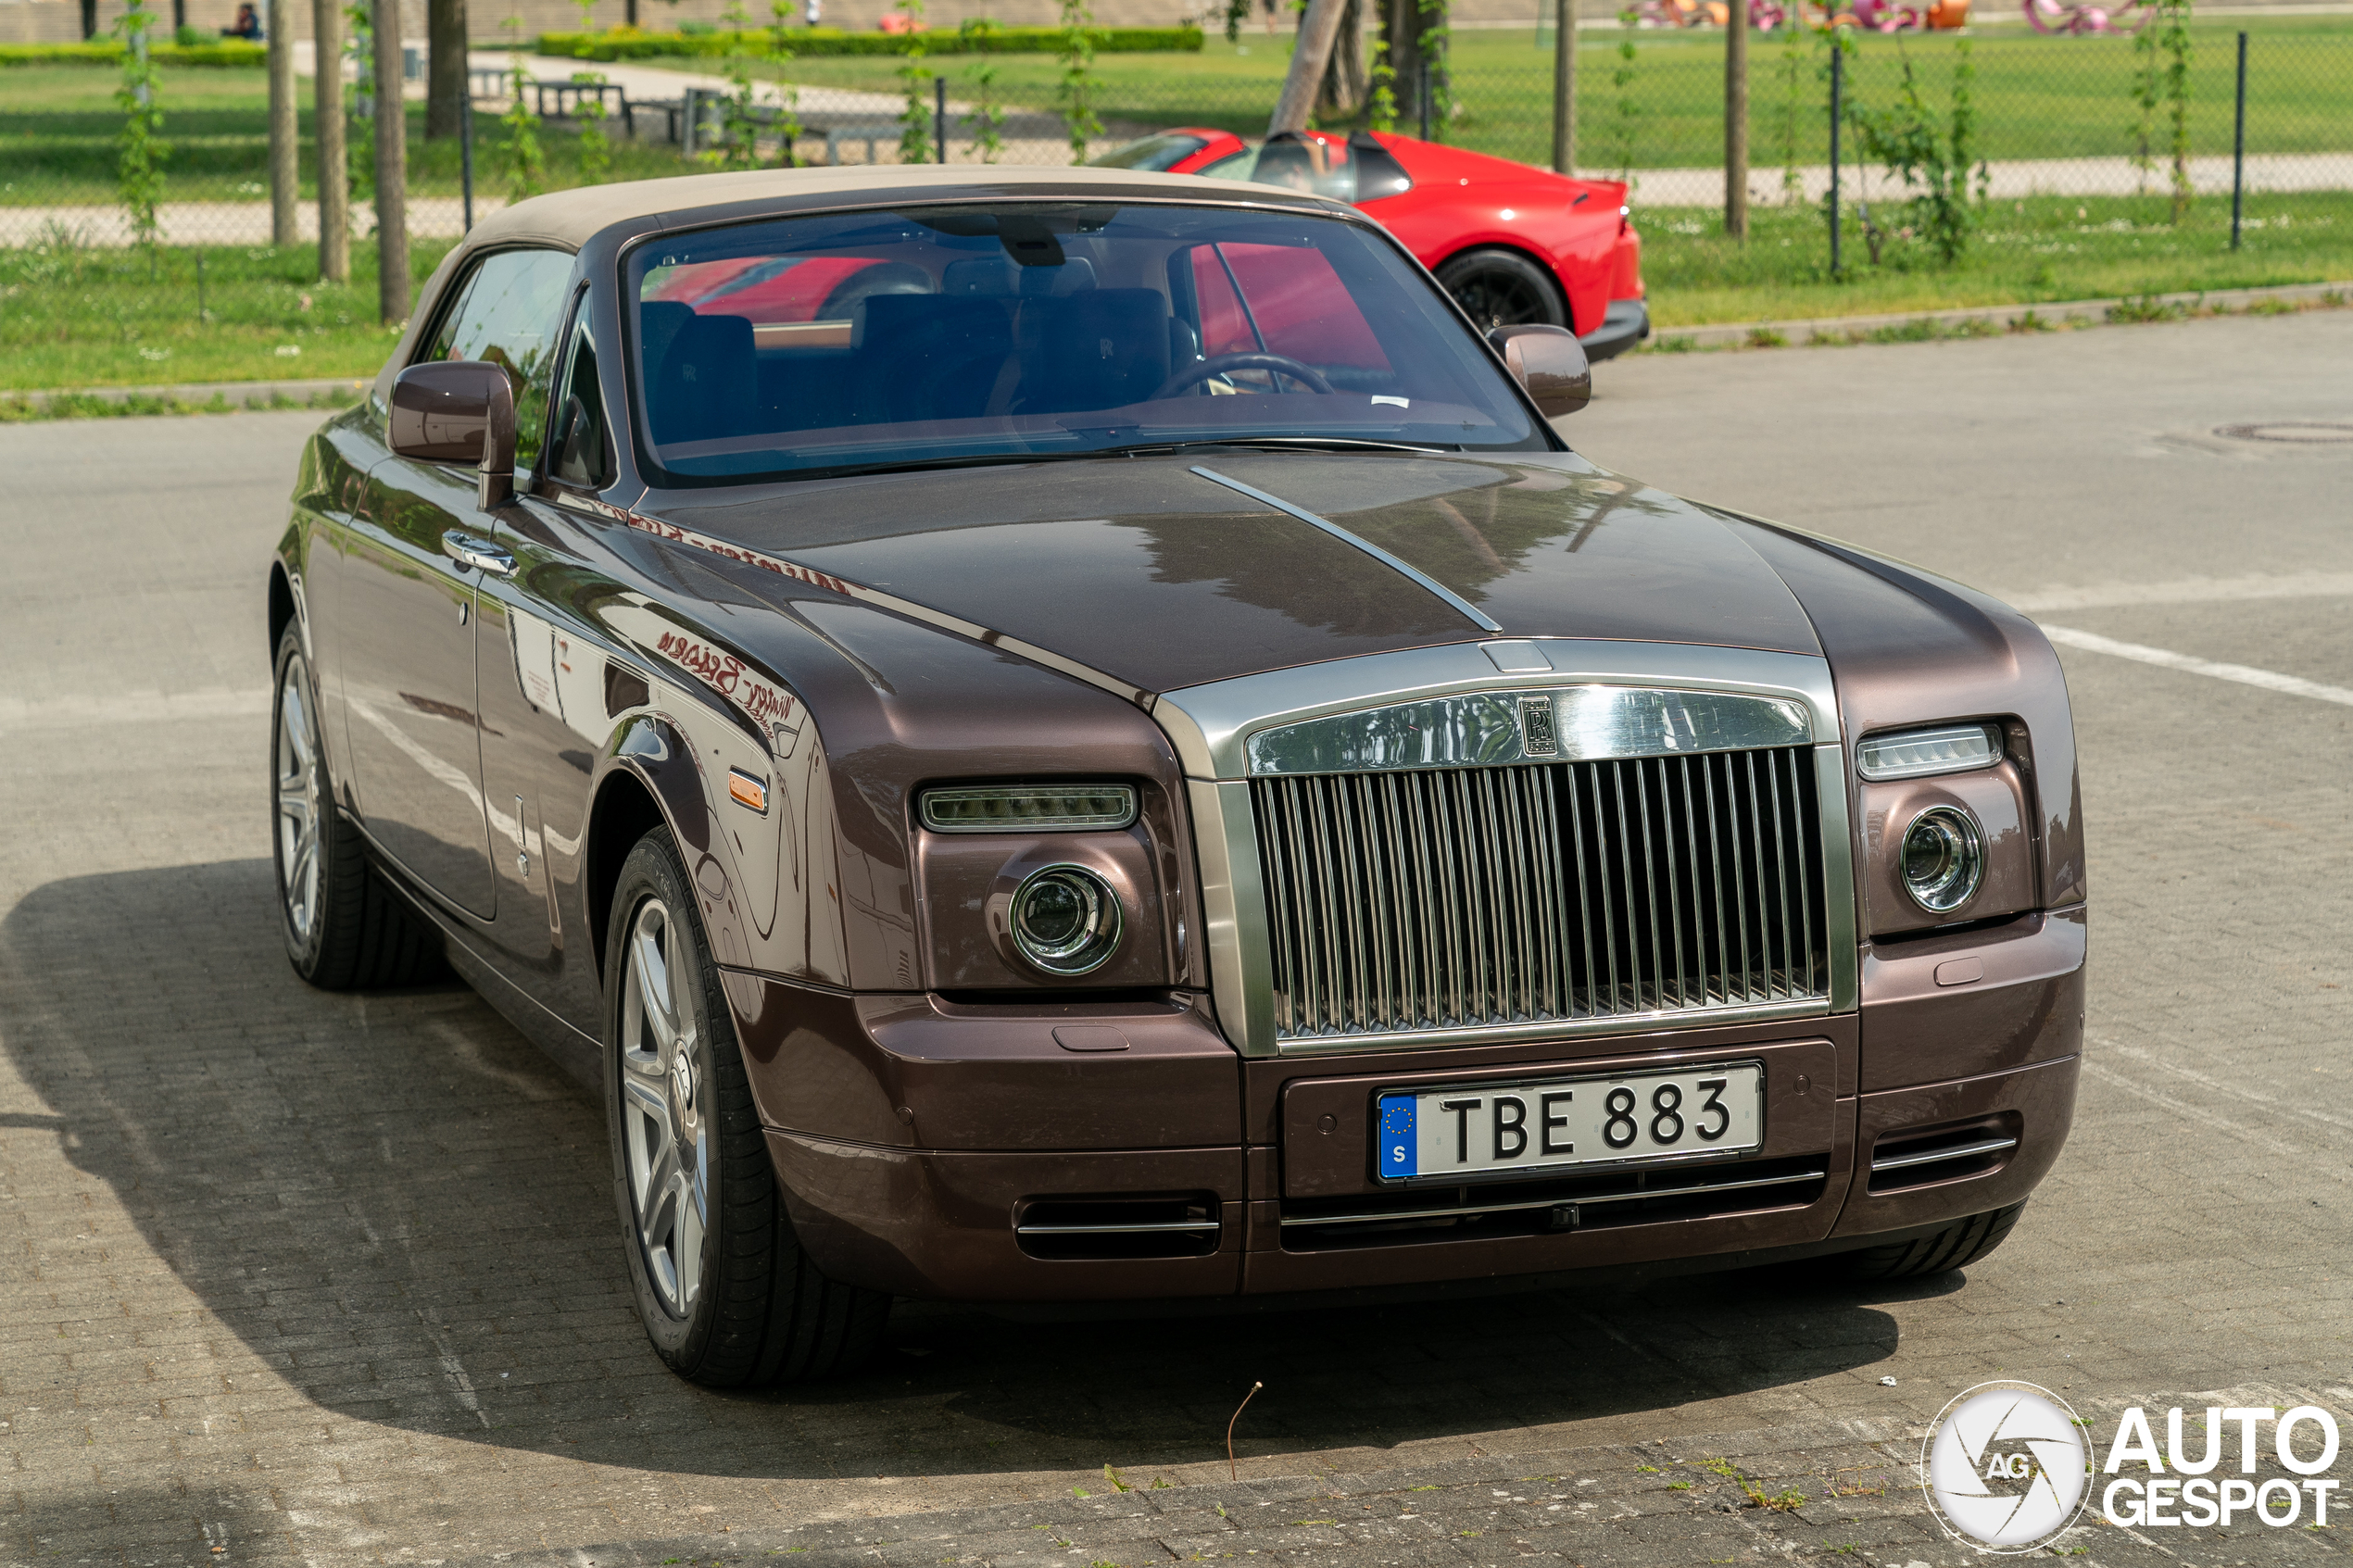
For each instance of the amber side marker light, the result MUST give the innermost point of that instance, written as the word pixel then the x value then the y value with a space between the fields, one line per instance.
pixel 1028 807
pixel 747 790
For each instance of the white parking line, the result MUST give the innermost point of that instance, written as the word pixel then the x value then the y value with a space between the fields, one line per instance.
pixel 2217 1085
pixel 2186 591
pixel 2246 674
pixel 97 710
pixel 2195 1112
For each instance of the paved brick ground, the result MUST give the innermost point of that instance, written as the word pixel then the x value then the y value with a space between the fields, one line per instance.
pixel 335 1280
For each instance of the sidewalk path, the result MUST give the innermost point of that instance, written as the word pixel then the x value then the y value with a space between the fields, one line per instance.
pixel 2023 177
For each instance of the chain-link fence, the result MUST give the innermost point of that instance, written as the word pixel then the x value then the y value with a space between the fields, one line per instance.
pixel 2101 115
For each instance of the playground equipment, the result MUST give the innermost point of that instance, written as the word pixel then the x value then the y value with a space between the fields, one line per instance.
pixel 2083 19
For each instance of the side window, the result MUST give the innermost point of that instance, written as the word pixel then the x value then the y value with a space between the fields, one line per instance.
pixel 508 312
pixel 582 453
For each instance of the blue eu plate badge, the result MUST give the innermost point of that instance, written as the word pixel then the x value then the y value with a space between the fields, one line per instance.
pixel 1398 1143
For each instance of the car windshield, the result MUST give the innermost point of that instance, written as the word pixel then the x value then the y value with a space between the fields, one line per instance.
pixel 802 346
pixel 1357 168
pixel 1158 152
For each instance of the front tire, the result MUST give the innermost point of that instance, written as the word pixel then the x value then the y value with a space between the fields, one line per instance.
pixel 725 1292
pixel 1956 1246
pixel 345 929
pixel 1503 288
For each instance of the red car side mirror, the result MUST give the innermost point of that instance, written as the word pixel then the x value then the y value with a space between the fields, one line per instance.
pixel 457 411
pixel 1550 363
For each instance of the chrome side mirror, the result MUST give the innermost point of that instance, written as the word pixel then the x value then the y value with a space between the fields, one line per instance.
pixel 457 411
pixel 1550 363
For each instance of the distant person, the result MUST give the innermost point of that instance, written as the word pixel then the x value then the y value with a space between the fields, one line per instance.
pixel 816 9
pixel 247 26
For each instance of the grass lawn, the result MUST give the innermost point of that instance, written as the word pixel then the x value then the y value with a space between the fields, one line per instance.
pixel 57 125
pixel 101 318
pixel 2044 248
pixel 2037 98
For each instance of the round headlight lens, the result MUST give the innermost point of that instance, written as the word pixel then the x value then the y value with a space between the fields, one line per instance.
pixel 1065 919
pixel 1943 858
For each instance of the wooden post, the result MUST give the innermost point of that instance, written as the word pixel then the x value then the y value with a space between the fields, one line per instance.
pixel 1736 120
pixel 392 169
pixel 334 180
pixel 1565 88
pixel 285 172
pixel 1316 30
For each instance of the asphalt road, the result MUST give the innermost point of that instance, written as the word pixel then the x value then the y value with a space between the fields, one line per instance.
pixel 291 1278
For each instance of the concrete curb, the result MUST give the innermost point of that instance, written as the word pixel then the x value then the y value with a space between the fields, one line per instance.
pixel 1904 326
pixel 249 394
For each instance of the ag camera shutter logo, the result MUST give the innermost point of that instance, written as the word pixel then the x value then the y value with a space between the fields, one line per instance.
pixel 2004 1466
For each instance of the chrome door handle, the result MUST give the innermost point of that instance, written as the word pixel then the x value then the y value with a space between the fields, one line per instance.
pixel 467 550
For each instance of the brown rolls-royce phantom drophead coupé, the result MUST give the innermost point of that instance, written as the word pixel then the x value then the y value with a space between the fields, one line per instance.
pixel 1076 737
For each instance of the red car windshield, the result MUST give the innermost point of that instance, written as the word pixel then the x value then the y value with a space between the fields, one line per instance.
pixel 801 346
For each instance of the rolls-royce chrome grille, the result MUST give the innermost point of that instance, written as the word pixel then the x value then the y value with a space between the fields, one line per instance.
pixel 1463 897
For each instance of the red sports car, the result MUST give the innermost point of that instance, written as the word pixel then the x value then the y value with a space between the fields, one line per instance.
pixel 1513 244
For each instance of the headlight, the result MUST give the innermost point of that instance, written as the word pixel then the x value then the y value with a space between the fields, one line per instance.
pixel 1028 807
pixel 1943 858
pixel 1913 753
pixel 1065 919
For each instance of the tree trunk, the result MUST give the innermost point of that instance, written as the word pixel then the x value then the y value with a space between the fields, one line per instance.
pixel 1564 86
pixel 284 142
pixel 445 80
pixel 334 163
pixel 392 169
pixel 1408 29
pixel 1344 80
pixel 1309 56
pixel 1736 120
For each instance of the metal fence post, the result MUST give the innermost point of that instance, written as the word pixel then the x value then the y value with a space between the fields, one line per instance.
pixel 466 150
pixel 939 116
pixel 688 108
pixel 1838 83
pixel 1421 97
pixel 2238 149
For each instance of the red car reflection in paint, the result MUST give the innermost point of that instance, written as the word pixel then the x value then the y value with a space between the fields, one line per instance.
pixel 1513 244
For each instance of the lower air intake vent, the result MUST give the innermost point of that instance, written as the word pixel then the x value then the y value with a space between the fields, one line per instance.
pixel 1478 1213
pixel 1919 1157
pixel 1184 1225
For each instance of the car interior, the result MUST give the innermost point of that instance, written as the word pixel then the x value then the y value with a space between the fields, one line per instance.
pixel 923 325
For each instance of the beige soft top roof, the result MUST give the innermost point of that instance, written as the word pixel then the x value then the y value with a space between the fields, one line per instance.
pixel 571 218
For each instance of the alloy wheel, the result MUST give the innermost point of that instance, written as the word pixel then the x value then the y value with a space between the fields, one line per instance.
pixel 1492 298
pixel 299 805
pixel 665 1093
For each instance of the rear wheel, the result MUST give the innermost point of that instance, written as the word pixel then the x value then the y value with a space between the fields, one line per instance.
pixel 1956 1246
pixel 344 928
pixel 726 1294
pixel 1503 288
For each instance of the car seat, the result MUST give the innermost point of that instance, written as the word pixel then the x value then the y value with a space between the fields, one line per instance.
pixel 1098 349
pixel 708 386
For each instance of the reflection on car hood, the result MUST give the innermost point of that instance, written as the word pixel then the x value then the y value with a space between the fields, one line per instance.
pixel 1144 569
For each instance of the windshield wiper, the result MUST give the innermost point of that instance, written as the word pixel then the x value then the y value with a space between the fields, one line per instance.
pixel 1288 443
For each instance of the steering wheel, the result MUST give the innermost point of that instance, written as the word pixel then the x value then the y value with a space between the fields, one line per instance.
pixel 1217 365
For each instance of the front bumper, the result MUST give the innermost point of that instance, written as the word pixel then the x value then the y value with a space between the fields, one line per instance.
pixel 1626 324
pixel 930 1136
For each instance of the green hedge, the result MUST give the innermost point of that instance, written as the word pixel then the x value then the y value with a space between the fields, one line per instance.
pixel 807 42
pixel 108 51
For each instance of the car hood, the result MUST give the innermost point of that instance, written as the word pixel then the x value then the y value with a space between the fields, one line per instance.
pixel 1148 571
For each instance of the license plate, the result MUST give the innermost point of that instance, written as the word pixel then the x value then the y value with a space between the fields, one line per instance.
pixel 1491 1130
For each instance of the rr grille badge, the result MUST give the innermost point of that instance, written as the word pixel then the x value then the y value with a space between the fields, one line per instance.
pixel 1536 735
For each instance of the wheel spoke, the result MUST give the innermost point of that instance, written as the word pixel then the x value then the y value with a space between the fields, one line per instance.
pixel 653 988
pixel 650 1147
